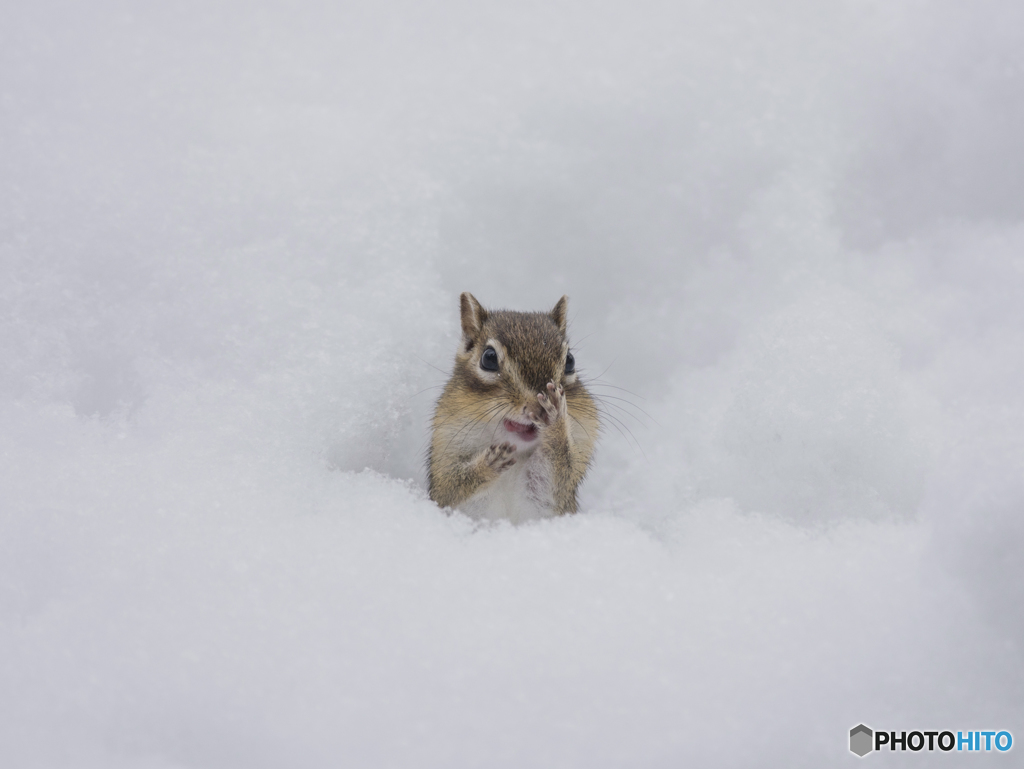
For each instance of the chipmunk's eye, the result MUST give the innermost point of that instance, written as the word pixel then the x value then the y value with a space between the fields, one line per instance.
pixel 570 364
pixel 489 360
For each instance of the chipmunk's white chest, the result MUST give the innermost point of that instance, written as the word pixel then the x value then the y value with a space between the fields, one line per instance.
pixel 521 493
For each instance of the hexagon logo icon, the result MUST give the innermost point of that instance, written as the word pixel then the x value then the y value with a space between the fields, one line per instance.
pixel 861 740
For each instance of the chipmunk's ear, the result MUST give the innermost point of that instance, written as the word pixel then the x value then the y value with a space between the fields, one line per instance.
pixel 558 315
pixel 473 315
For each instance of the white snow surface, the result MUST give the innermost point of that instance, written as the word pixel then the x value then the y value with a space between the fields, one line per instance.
pixel 232 239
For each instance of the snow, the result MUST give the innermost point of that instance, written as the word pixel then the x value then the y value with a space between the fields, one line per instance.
pixel 232 239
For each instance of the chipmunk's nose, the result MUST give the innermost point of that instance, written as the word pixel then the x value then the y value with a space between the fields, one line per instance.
pixel 530 410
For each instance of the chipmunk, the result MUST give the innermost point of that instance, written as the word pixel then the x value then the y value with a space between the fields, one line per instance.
pixel 514 429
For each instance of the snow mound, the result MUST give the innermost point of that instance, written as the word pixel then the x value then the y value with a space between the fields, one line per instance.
pixel 232 239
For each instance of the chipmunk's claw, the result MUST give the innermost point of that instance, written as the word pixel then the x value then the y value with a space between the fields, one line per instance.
pixel 500 456
pixel 552 404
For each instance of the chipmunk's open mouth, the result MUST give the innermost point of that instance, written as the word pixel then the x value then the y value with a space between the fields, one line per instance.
pixel 526 432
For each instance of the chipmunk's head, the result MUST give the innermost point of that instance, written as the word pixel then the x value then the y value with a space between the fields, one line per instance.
pixel 506 358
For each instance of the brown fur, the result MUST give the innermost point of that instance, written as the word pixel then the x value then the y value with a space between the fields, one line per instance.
pixel 531 384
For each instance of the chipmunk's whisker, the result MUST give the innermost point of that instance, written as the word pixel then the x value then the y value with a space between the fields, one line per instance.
pixel 446 373
pixel 582 426
pixel 599 383
pixel 426 389
pixel 623 429
pixel 473 422
pixel 607 401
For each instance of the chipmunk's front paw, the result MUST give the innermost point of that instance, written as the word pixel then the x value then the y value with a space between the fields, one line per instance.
pixel 500 456
pixel 552 404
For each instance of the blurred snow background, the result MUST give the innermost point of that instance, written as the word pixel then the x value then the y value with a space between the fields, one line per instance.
pixel 232 238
